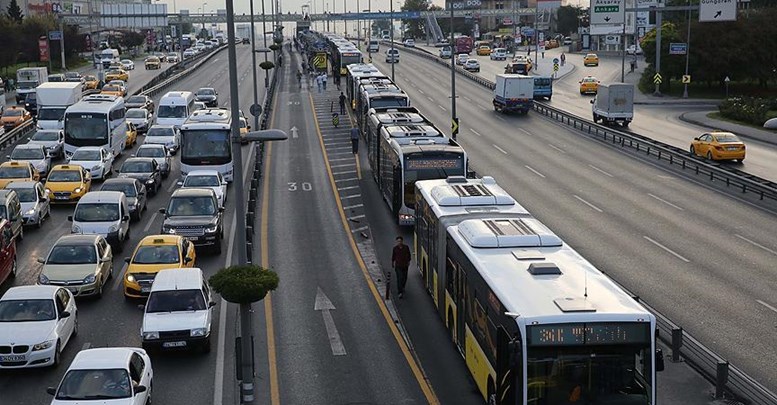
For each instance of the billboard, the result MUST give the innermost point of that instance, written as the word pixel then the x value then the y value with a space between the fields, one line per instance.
pixel 133 15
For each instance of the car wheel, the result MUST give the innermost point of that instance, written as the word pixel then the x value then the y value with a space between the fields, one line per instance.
pixel 99 293
pixel 57 358
pixel 75 328
pixel 709 155
pixel 692 151
pixel 217 246
pixel 39 224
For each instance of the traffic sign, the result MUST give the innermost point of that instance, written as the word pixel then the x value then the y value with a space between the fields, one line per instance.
pixel 255 110
pixel 678 48
pixel 686 79
pixel 605 12
pixel 455 126
pixel 555 61
pixel 555 67
pixel 717 10
pixel 657 79
pixel 55 35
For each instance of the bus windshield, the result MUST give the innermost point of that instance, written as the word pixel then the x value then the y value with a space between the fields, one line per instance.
pixel 86 129
pixel 377 102
pixel 172 111
pixel 426 166
pixel 205 147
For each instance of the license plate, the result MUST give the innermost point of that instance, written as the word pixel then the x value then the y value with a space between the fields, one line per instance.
pixel 174 344
pixel 193 238
pixel 145 289
pixel 13 358
pixel 61 197
pixel 732 148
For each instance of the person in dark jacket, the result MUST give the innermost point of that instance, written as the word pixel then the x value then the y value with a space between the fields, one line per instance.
pixel 342 103
pixel 400 260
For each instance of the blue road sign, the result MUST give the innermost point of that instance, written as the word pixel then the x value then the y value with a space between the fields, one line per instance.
pixel 678 48
pixel 555 61
pixel 55 35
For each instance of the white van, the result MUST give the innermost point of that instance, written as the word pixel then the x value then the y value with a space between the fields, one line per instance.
pixel 174 108
pixel 373 46
pixel 180 300
pixel 103 213
pixel 392 55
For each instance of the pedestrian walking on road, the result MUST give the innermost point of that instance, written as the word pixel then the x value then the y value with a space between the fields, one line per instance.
pixel 323 80
pixel 318 82
pixel 400 259
pixel 563 58
pixel 342 103
pixel 355 140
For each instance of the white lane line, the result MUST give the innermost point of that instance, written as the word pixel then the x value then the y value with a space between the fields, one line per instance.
pixel 475 132
pixel 218 378
pixel 557 148
pixel 421 91
pixel 355 217
pixel 340 159
pixel 363 228
pixel 350 207
pixel 468 99
pixel 525 131
pixel 670 251
pixel 348 179
pixel 343 172
pixel 172 185
pixel 430 99
pixel 344 165
pixel 150 221
pixel 441 107
pixel 482 108
pixel 767 305
pixel 119 281
pixel 534 171
pixel 350 196
pixel 600 170
pixel 347 188
pixel 665 202
pixel 754 243
pixel 500 118
pixel 499 149
pixel 587 203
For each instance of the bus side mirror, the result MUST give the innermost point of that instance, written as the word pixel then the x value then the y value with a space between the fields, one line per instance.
pixel 659 359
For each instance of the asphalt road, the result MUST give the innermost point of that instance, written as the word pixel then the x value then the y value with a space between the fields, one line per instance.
pixel 698 255
pixel 115 321
pixel 656 121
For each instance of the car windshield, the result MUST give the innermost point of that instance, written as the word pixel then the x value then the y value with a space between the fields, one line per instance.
pixel 163 254
pixel 26 194
pixel 136 100
pixel 90 78
pixel 136 166
pixel 201 181
pixel 14 172
pixel 157 131
pixel 73 75
pixel 114 72
pixel 12 112
pixel 127 188
pixel 189 206
pixel 29 154
pixel 46 136
pixel 150 152
pixel 64 176
pixel 96 212
pixel 116 83
pixel 175 300
pixel 85 155
pixel 75 254
pixel 27 310
pixel 172 111
pixel 51 114
pixel 172 55
pixel 111 88
pixel 205 92
pixel 92 385
pixel 136 113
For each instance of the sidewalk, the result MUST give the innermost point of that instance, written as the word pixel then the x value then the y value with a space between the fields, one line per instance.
pixel 700 118
pixel 544 66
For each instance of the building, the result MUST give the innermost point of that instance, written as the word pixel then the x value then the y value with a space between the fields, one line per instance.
pixel 40 7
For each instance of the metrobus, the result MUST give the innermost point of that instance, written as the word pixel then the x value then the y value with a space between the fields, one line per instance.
pixel 206 142
pixel 354 73
pixel 377 118
pixel 345 56
pixel 379 95
pixel 96 120
pixel 535 322
pixel 408 153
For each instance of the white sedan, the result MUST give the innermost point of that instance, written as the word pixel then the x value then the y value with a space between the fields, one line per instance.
pixel 127 64
pixel 211 179
pixel 96 159
pixel 38 322
pixel 461 58
pixel 33 153
pixel 472 65
pixel 106 375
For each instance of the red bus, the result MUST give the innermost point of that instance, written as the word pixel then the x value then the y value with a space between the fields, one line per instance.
pixel 464 44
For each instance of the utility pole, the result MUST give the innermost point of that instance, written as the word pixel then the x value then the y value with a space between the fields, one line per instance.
pixel 391 32
pixel 345 22
pixel 253 62
pixel 536 33
pixel 454 118
pixel 659 28
pixel 623 46
pixel 687 51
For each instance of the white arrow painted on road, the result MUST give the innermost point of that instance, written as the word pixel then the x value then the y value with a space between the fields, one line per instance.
pixel 324 305
pixel 295 135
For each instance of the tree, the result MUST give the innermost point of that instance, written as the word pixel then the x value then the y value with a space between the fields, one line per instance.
pixel 244 284
pixel 415 28
pixel 9 52
pixel 14 11
pixel 380 25
pixel 568 19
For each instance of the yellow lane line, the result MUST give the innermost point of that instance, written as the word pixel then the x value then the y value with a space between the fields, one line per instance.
pixel 431 398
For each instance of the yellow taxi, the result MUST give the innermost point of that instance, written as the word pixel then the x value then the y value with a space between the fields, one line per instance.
pixel 68 183
pixel 718 145
pixel 153 254
pixel 112 90
pixel 590 59
pixel 14 116
pixel 132 135
pixel 153 62
pixel 117 74
pixel 484 50
pixel 17 171
pixel 244 128
pixel 91 82
pixel 589 85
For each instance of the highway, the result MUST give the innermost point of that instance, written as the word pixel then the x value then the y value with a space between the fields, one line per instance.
pixel 698 255
pixel 656 121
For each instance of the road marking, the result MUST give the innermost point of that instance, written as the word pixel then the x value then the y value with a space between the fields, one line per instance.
pixel 767 305
pixel 499 149
pixel 557 148
pixel 347 188
pixel 525 131
pixel 119 281
pixel 475 132
pixel 534 171
pixel 421 91
pixel 665 202
pixel 215 60
pixel 363 228
pixel 482 108
pixel 441 107
pixel 350 196
pixel 324 305
pixel 670 251
pixel 218 391
pixel 340 159
pixel 347 179
pixel 468 99
pixel 500 118
pixel 430 99
pixel 600 170
pixel 343 172
pixel 754 243
pixel 355 217
pixel 344 165
pixel 150 221
pixel 587 203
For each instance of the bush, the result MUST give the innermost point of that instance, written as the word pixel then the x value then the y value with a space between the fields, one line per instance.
pixel 752 110
pixel 244 284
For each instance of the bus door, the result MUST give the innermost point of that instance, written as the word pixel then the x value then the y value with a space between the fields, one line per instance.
pixel 460 295
pixel 508 367
pixel 396 195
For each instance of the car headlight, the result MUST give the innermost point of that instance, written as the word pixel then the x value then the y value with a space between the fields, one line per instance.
pixel 199 332
pixel 150 335
pixel 212 228
pixel 113 228
pixel 42 279
pixel 30 212
pixel 168 230
pixel 96 167
pixel 131 278
pixel 90 279
pixel 43 345
pixel 78 190
pixel 150 181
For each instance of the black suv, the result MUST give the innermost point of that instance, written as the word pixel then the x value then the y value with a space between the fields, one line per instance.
pixel 195 214
pixel 146 170
pixel 207 95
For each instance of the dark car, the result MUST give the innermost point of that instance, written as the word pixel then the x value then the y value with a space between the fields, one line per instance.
pixel 140 102
pixel 57 77
pixel 31 103
pixel 144 169
pixel 195 214
pixel 133 189
pixel 207 95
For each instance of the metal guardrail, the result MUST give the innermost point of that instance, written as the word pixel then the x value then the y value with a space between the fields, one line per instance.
pixel 729 381
pixel 176 72
pixel 9 137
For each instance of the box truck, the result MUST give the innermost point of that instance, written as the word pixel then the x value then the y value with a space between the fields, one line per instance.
pixel 513 93
pixel 27 79
pixel 53 100
pixel 613 103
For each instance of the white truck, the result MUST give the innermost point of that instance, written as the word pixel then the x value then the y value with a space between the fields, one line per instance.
pixel 108 56
pixel 614 103
pixel 513 92
pixel 27 79
pixel 53 100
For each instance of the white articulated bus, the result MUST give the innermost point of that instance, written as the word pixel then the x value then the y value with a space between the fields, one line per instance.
pixel 206 142
pixel 96 120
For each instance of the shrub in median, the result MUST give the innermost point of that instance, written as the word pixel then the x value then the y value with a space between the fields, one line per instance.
pixel 752 110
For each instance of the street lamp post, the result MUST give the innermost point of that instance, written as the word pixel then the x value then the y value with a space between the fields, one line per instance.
pixel 454 119
pixel 253 62
pixel 264 41
pixel 203 13
pixel 391 32
pixel 687 51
